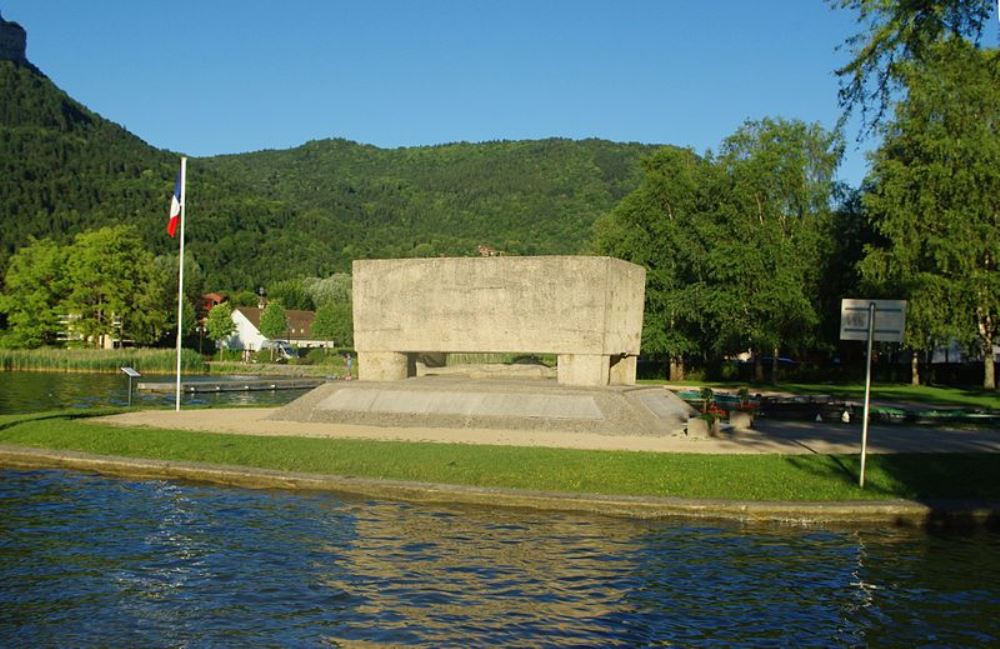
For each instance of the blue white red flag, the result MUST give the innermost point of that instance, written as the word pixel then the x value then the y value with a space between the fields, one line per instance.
pixel 175 208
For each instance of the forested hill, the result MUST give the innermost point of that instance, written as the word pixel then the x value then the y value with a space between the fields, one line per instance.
pixel 522 197
pixel 259 217
pixel 63 168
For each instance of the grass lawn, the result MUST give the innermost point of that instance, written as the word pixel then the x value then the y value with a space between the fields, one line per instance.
pixel 741 477
pixel 924 394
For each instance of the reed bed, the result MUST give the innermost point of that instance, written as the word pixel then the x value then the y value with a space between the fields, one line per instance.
pixel 147 361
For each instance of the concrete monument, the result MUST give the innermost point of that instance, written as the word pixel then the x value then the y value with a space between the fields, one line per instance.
pixel 587 310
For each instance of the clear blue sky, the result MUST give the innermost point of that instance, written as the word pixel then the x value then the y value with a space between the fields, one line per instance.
pixel 205 77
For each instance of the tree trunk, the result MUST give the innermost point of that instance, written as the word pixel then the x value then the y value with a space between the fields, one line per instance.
pixel 989 370
pixel 914 368
pixel 676 368
pixel 774 366
pixel 987 333
pixel 758 369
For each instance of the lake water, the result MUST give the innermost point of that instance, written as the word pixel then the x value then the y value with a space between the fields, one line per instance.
pixel 39 391
pixel 93 561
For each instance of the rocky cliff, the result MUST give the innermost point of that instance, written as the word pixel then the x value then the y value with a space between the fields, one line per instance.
pixel 13 42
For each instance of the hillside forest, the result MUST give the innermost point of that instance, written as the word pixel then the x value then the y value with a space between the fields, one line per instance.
pixel 748 247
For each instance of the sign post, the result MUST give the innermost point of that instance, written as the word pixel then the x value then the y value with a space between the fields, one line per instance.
pixel 871 320
pixel 132 374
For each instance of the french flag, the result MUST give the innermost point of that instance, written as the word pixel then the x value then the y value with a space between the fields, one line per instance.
pixel 175 208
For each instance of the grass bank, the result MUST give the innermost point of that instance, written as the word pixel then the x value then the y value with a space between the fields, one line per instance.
pixel 814 478
pixel 147 361
pixel 902 392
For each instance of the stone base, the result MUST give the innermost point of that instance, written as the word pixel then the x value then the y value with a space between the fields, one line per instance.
pixel 386 366
pixel 594 370
pixel 447 402
pixel 583 369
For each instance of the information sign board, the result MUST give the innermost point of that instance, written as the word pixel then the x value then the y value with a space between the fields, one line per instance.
pixel 890 320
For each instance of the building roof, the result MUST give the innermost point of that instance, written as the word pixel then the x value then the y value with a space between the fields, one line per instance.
pixel 299 322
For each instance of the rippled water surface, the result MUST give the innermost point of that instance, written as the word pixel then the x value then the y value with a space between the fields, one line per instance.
pixel 38 391
pixel 94 561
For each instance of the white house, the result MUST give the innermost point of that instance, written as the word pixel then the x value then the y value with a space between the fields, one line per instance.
pixel 249 338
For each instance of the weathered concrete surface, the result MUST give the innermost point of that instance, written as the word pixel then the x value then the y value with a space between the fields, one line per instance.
pixel 773 437
pixel 454 402
pixel 901 512
pixel 588 310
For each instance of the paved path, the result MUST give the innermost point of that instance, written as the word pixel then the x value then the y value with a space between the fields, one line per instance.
pixel 772 436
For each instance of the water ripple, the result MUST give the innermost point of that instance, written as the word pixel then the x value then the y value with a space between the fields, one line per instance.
pixel 92 561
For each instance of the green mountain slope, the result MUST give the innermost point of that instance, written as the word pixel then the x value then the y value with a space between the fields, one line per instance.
pixel 527 197
pixel 257 217
pixel 64 169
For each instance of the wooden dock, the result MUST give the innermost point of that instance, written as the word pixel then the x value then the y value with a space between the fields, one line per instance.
pixel 229 385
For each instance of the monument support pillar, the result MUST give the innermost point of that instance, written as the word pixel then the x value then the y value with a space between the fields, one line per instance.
pixel 583 369
pixel 386 366
pixel 622 370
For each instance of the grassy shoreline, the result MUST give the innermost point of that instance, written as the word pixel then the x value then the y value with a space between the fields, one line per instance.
pixel 806 478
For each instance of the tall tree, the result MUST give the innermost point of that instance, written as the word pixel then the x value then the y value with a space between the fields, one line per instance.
pixel 113 289
pixel 34 286
pixel 291 293
pixel 895 32
pixel 335 289
pixel 844 237
pixel 334 321
pixel 655 226
pixel 273 322
pixel 219 324
pixel 774 189
pixel 935 198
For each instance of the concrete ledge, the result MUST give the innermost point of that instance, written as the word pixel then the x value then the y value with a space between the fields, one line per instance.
pixel 457 403
pixel 897 512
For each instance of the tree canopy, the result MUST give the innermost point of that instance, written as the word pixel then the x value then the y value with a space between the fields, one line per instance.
pixel 334 321
pixel 219 323
pixel 273 321
pixel 895 32
pixel 730 242
pixel 657 226
pixel 934 197
pixel 34 286
pixel 103 284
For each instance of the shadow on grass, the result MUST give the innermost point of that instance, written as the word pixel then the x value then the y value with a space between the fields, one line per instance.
pixel 8 421
pixel 843 469
pixel 960 489
pixel 944 396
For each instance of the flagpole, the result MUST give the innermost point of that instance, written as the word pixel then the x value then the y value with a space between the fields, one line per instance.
pixel 180 281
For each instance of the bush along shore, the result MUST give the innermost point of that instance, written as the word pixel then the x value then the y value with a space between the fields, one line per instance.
pixel 147 361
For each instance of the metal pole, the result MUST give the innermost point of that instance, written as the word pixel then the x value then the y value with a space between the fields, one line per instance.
pixel 868 393
pixel 129 390
pixel 180 283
